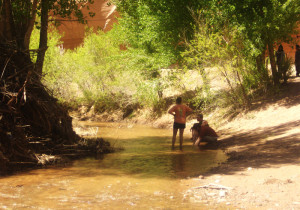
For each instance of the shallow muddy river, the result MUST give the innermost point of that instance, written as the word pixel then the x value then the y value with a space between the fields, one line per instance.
pixel 147 174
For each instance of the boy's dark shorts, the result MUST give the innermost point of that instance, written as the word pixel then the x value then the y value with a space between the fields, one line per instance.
pixel 178 125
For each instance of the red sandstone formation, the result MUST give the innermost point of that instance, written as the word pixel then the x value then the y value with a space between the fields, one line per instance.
pixel 105 16
pixel 290 49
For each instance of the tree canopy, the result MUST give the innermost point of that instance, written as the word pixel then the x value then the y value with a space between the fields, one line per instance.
pixel 157 26
pixel 160 25
pixel 265 24
pixel 18 17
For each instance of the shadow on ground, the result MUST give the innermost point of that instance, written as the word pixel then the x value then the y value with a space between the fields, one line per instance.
pixel 261 148
pixel 288 96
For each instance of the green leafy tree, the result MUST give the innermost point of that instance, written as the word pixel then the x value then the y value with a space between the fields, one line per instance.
pixel 156 26
pixel 265 23
pixel 17 20
pixel 217 54
pixel 233 37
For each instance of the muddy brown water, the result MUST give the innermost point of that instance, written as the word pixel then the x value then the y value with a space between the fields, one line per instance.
pixel 147 174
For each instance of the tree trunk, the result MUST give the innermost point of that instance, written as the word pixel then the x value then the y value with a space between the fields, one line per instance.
pixel 245 96
pixel 262 67
pixel 43 38
pixel 273 63
pixel 30 25
pixel 7 32
pixel 260 63
pixel 231 97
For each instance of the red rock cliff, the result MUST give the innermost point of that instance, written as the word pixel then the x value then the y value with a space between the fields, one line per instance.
pixel 74 32
pixel 290 49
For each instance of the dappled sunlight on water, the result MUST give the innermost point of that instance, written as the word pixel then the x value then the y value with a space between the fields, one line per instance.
pixel 146 174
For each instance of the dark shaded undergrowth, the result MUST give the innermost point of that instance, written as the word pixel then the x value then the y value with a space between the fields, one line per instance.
pixel 34 129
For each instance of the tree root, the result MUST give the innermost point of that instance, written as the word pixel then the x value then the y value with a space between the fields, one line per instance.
pixel 32 122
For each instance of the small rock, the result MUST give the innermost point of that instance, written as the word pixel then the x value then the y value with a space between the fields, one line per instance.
pixel 221 200
pixel 211 194
pixel 131 203
pixel 189 191
pixel 192 199
pixel 288 181
pixel 222 193
pixel 157 193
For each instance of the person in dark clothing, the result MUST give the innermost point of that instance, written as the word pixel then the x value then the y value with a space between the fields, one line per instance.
pixel 297 60
pixel 280 58
pixel 196 128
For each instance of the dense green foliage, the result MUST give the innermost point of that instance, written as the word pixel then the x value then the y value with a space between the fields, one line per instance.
pixel 157 26
pixel 221 43
pixel 100 73
pixel 233 36
pixel 266 23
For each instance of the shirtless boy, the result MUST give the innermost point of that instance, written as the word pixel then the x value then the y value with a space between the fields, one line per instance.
pixel 180 112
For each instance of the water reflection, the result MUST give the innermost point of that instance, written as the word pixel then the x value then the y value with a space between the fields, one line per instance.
pixel 144 176
pixel 147 153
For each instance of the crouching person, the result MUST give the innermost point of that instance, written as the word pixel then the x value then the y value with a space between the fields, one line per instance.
pixel 206 134
pixel 196 128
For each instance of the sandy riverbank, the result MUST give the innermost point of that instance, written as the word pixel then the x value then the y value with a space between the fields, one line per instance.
pixel 263 169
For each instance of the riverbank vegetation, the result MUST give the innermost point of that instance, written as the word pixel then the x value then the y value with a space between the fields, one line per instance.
pixel 212 53
pixel 33 126
pixel 215 55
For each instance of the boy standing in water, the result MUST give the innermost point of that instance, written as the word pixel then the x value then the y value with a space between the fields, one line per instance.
pixel 180 112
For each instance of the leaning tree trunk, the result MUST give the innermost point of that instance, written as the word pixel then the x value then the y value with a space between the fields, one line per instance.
pixel 43 38
pixel 30 25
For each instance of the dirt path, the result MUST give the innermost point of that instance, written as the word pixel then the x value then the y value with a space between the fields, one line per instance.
pixel 263 170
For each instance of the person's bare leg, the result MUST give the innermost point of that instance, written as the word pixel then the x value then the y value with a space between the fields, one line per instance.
pixel 181 137
pixel 174 137
pixel 199 140
pixel 194 136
